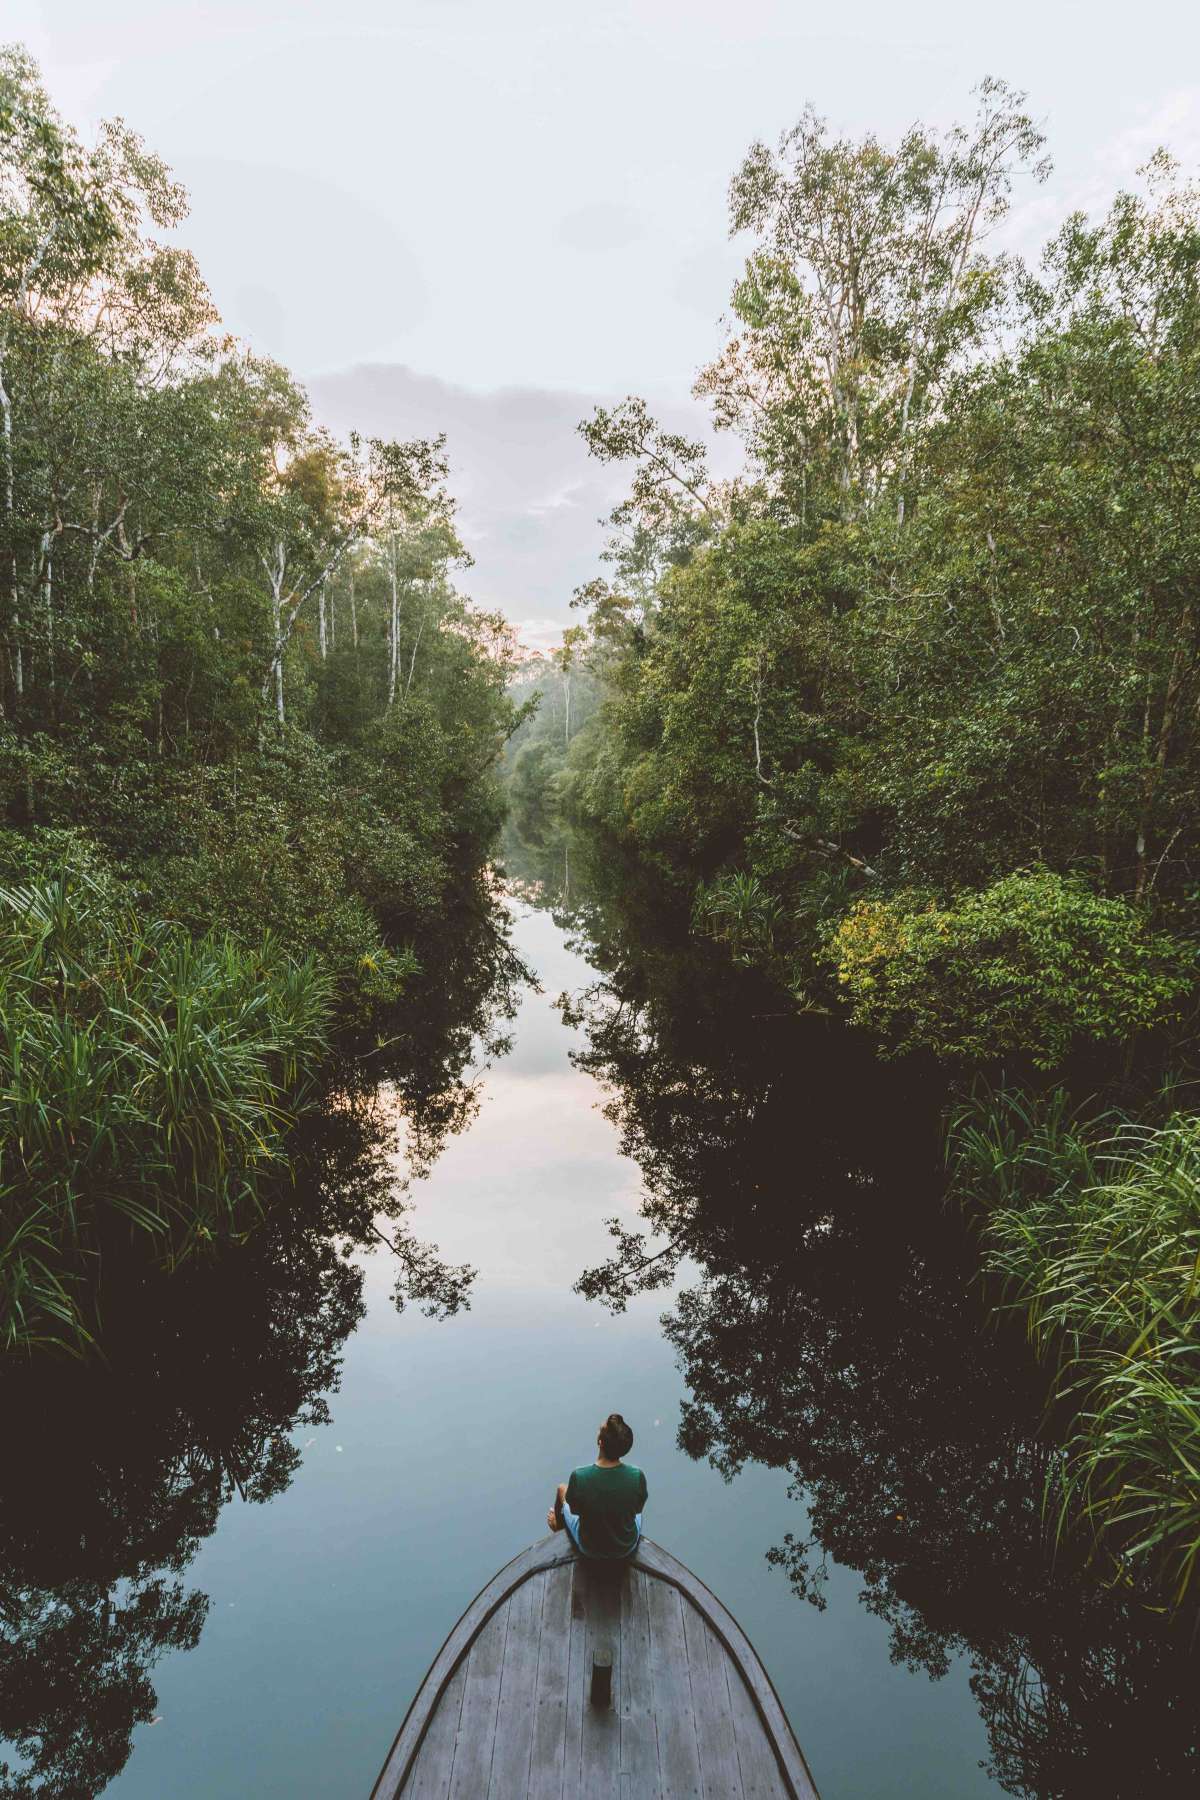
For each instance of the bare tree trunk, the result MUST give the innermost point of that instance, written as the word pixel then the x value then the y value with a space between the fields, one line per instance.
pixel 48 610
pixel 412 661
pixel 10 517
pixel 353 612
pixel 758 706
pixel 393 626
pixel 153 634
pixel 275 676
pixel 321 621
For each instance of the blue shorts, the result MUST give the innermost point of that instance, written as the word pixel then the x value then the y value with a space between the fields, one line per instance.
pixel 571 1521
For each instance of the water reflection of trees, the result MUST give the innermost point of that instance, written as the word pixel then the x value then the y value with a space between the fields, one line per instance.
pixel 117 1468
pixel 837 1330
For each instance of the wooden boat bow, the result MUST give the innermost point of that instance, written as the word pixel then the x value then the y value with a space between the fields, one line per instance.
pixel 511 1706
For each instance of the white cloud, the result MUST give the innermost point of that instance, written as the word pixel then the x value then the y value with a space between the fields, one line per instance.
pixel 1174 123
pixel 531 499
pixel 539 634
pixel 605 225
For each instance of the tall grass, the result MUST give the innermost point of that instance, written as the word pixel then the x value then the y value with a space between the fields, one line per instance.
pixel 1094 1229
pixel 147 1080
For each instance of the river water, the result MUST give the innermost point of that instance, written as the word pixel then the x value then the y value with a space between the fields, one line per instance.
pixel 929 1669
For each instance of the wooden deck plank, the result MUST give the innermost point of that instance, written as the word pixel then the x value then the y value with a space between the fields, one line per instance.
pixel 518 1691
pixel 600 1736
pixel 476 1738
pixel 720 1773
pixel 762 1778
pixel 674 1710
pixel 576 1691
pixel 547 1553
pixel 639 1736
pixel 550 1717
pixel 729 1633
pixel 667 1735
pixel 430 1776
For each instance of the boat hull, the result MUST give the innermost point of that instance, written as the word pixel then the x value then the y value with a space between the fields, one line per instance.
pixel 566 1677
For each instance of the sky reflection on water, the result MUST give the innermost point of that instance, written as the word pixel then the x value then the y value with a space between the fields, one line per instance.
pixel 328 1604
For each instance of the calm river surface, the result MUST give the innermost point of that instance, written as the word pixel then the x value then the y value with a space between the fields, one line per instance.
pixel 832 1360
pixel 329 1603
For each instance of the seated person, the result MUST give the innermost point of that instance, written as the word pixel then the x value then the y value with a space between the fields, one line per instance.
pixel 601 1505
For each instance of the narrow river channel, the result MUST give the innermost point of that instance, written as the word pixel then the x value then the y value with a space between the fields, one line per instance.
pixel 328 1603
pixel 821 1339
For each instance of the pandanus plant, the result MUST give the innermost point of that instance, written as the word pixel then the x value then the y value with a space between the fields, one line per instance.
pixel 147 1083
pixel 738 910
pixel 1094 1229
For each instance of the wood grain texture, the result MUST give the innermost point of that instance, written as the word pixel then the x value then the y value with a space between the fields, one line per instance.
pixel 799 1784
pixel 761 1774
pixel 504 1713
pixel 639 1733
pixel 547 1553
pixel 720 1773
pixel 518 1691
pixel 674 1711
pixel 430 1778
pixel 475 1740
pixel 577 1679
pixel 550 1719
pixel 600 1736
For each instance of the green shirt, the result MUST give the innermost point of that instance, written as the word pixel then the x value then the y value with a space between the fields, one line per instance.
pixel 606 1501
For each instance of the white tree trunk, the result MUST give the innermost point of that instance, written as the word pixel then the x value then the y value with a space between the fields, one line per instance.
pixel 412 661
pixel 48 607
pixel 393 628
pixel 277 571
pixel 6 436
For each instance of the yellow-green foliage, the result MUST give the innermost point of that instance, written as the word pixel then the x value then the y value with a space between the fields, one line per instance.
pixel 1031 965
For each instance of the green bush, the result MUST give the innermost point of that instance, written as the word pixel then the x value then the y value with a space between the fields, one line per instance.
pixel 147 1082
pixel 1032 965
pixel 738 910
pixel 1094 1230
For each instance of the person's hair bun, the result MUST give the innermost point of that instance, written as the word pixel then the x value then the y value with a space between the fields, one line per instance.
pixel 616 1437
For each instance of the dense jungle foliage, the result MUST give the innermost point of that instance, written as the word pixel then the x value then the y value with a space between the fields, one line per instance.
pixel 908 714
pixel 247 735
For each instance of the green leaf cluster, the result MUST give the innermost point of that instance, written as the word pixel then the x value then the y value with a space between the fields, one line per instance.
pixel 147 1082
pixel 1030 967
pixel 1093 1227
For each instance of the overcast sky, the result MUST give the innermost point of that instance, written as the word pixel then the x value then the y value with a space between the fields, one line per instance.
pixel 483 215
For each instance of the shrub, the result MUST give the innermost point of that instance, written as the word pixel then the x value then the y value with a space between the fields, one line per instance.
pixel 147 1080
pixel 1094 1230
pixel 1032 965
pixel 738 910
